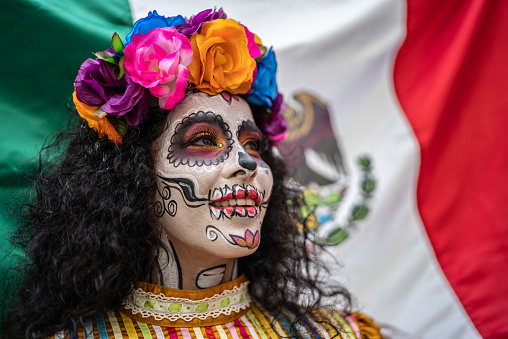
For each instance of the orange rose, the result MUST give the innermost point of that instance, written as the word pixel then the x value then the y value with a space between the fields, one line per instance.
pixel 101 125
pixel 221 59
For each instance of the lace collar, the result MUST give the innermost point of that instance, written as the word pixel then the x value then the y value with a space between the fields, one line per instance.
pixel 169 307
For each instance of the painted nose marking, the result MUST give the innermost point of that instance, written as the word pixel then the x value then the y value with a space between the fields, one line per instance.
pixel 246 161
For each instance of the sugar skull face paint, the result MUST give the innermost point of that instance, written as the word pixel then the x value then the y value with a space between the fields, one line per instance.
pixel 213 186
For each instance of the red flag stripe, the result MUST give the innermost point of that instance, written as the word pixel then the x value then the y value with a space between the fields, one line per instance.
pixel 451 79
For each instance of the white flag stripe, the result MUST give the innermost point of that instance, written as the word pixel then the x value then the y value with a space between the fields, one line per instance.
pixel 344 51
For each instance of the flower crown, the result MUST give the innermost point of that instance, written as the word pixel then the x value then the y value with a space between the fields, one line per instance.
pixel 163 57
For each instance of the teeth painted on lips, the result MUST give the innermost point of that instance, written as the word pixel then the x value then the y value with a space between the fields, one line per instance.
pixel 236 196
pixel 217 194
pixel 241 211
pixel 228 193
pixel 234 202
pixel 228 211
pixel 216 212
pixel 239 192
pixel 252 211
pixel 252 193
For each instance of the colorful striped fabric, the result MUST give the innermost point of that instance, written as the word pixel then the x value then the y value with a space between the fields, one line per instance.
pixel 254 324
pixel 251 321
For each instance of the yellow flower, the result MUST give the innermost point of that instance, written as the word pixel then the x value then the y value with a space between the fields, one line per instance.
pixel 221 59
pixel 101 125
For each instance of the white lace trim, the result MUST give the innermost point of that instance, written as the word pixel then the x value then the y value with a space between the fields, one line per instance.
pixel 161 307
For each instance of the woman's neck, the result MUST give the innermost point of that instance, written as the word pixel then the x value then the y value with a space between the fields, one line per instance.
pixel 191 269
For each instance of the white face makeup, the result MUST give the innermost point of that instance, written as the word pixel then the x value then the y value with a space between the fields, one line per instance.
pixel 213 186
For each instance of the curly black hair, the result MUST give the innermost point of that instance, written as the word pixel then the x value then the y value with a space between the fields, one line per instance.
pixel 89 234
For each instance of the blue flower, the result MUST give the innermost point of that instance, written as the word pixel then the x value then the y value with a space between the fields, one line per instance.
pixel 152 21
pixel 264 88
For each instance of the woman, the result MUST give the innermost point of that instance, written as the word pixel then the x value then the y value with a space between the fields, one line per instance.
pixel 168 214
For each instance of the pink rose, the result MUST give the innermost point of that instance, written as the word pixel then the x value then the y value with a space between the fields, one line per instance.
pixel 158 61
pixel 251 43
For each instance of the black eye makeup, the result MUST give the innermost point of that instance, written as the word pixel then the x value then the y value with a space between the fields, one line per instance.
pixel 200 139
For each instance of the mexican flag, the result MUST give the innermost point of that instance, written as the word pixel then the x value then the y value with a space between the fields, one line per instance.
pixel 421 87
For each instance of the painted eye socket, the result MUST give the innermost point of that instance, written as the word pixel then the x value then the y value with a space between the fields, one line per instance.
pixel 205 140
pixel 252 146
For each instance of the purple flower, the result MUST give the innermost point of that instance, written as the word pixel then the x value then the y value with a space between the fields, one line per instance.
pixel 278 104
pixel 275 128
pixel 152 21
pixel 97 84
pixel 194 23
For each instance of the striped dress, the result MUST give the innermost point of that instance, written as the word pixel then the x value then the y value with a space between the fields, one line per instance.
pixel 224 311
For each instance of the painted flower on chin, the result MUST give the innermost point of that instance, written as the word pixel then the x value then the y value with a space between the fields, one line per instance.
pixel 152 21
pixel 158 61
pixel 194 23
pixel 98 85
pixel 221 60
pixel 249 240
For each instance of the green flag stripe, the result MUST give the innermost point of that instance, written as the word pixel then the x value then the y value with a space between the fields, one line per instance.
pixel 44 43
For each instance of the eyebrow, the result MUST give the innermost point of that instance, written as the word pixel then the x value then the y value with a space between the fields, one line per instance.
pixel 249 126
pixel 199 117
pixel 208 117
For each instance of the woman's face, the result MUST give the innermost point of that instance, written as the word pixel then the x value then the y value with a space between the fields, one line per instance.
pixel 213 186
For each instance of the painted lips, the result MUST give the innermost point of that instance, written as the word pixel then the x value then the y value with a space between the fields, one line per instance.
pixel 241 201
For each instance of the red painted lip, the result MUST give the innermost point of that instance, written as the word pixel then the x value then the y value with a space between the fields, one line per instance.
pixel 230 209
pixel 241 194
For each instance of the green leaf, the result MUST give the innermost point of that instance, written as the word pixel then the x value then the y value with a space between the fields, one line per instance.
pixel 263 50
pixel 121 126
pixel 313 200
pixel 337 236
pixel 364 162
pixel 306 211
pixel 117 43
pixel 359 212
pixel 106 56
pixel 368 185
pixel 333 198
pixel 122 68
pixel 100 113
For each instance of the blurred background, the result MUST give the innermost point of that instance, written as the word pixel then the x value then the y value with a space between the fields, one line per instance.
pixel 399 108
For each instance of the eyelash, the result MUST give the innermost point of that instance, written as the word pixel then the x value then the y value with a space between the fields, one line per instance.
pixel 257 141
pixel 200 135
